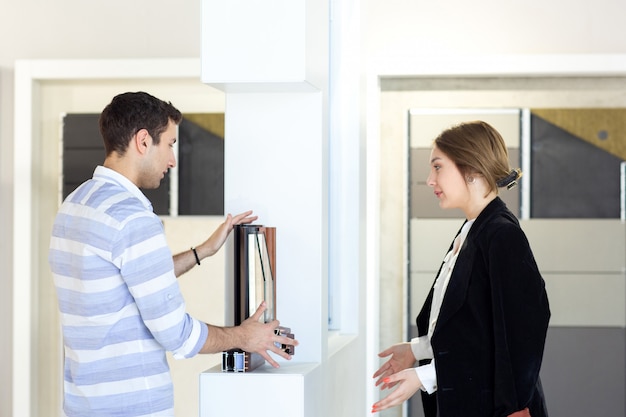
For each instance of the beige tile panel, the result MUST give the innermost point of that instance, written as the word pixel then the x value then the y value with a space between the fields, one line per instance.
pixel 587 299
pixel 418 290
pixel 559 245
pixel 584 300
pixel 582 261
pixel 427 124
pixel 564 245
pixel 429 241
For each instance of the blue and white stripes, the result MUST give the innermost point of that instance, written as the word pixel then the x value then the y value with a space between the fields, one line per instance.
pixel 121 307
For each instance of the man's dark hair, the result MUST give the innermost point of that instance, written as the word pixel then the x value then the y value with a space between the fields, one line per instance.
pixel 128 113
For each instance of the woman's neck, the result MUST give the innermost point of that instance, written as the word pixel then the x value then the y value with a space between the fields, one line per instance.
pixel 477 205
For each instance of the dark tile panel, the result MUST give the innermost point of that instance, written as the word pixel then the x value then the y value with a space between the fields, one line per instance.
pixel 571 178
pixel 78 164
pixel 201 170
pixel 200 164
pixel 81 131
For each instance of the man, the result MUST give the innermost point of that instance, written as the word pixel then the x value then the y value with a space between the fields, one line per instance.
pixel 121 307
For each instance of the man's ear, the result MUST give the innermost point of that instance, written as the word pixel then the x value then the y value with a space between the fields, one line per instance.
pixel 142 140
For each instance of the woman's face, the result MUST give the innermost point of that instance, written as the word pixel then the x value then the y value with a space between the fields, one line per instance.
pixel 447 181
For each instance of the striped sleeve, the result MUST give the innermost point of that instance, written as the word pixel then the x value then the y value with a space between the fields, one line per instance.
pixel 147 268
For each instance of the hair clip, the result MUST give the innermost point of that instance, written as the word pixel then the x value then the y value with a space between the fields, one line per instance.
pixel 510 180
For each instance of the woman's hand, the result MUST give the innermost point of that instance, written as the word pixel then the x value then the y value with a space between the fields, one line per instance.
pixel 408 384
pixel 401 358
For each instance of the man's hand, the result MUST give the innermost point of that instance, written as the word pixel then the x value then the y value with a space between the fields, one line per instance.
pixel 219 236
pixel 261 337
pixel 251 336
pixel 184 261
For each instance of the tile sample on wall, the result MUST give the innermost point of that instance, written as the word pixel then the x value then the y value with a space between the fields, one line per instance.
pixel 575 159
pixel 200 162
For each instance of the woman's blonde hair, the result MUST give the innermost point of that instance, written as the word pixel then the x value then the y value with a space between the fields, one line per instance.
pixel 478 149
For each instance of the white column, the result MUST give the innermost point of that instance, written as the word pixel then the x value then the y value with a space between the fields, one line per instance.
pixel 271 60
pixel 275 164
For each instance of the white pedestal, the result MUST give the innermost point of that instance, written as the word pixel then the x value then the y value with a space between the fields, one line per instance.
pixel 264 392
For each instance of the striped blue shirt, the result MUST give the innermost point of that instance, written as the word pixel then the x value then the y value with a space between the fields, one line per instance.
pixel 120 304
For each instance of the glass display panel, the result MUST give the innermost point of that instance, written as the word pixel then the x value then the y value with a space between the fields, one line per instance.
pixel 254 282
pixel 261 279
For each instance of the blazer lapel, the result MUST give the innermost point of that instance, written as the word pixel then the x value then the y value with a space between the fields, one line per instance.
pixel 459 281
pixel 457 287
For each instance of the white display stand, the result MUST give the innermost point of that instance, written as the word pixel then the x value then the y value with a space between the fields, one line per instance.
pixel 266 391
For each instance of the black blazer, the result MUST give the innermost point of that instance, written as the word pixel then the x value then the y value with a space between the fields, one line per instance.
pixel 490 334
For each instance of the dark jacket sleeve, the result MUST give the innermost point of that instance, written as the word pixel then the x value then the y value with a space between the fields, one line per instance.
pixel 520 317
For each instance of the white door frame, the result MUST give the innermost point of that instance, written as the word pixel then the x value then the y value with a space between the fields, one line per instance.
pixel 29 74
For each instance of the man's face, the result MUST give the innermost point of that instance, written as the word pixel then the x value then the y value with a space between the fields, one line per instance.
pixel 159 158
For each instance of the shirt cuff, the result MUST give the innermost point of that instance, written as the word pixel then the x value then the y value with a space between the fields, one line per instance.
pixel 428 377
pixel 197 338
pixel 420 346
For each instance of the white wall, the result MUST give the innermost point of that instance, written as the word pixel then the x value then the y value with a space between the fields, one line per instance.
pixel 409 28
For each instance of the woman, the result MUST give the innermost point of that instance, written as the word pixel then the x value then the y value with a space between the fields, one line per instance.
pixel 482 328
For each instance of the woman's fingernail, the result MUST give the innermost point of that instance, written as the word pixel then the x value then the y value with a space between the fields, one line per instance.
pixel 386 380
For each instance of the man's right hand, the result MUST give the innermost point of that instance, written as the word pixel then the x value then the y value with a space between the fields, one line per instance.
pixel 251 336
pixel 261 337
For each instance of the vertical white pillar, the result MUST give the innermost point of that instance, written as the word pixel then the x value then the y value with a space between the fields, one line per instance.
pixel 275 165
pixel 271 59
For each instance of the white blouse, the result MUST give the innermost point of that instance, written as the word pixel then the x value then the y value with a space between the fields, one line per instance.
pixel 421 345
